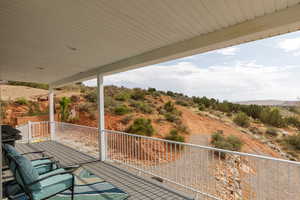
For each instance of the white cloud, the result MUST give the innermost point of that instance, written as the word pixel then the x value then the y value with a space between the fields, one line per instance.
pixel 289 45
pixel 243 81
pixel 229 51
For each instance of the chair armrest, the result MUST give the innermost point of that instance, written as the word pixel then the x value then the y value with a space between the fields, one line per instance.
pixel 73 167
pixel 43 158
pixel 33 152
pixel 51 175
pixel 52 163
pixel 17 196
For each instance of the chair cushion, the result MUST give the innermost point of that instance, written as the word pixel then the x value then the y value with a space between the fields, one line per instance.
pixel 45 165
pixel 27 172
pixel 53 185
pixel 11 150
pixel 52 172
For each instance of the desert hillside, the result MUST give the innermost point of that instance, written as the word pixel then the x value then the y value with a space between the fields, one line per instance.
pixel 266 130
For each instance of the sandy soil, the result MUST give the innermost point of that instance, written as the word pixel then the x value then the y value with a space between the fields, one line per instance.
pixel 202 125
pixel 11 92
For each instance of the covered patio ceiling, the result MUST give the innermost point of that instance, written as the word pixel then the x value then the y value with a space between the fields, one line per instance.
pixel 62 41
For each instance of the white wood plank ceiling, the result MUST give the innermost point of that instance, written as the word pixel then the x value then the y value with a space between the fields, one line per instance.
pixel 62 41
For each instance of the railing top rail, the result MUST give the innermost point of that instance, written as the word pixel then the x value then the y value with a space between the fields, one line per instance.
pixel 208 148
pixel 41 122
pixel 186 144
pixel 82 126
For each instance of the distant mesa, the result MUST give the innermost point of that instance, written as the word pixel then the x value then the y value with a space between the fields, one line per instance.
pixel 270 103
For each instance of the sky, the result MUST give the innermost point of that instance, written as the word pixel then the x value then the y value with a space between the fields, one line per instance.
pixel 260 70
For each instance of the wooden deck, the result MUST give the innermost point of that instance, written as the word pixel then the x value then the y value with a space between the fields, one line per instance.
pixel 137 187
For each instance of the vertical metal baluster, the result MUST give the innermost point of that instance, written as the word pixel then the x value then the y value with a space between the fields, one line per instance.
pixel 159 158
pixel 122 147
pixel 175 166
pixel 191 169
pixel 171 161
pixel 143 154
pixel 156 157
pixel 167 161
pixel 288 178
pixel 117 146
pixel 128 149
pixel 185 172
pixel 278 181
pixel 127 160
pixel 147 153
pixel 136 151
pixel 225 172
pixel 220 163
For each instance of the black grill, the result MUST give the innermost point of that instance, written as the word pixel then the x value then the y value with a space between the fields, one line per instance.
pixel 10 135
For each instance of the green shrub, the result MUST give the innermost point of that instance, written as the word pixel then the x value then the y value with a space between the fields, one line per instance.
pixel 138 94
pixel 171 117
pixel 109 102
pixel 170 93
pixel 121 110
pixel 293 140
pixel 174 136
pixel 205 101
pixel 182 103
pixel 242 119
pixel 30 84
pixel 293 121
pixel 91 96
pixel 64 108
pixel 142 107
pixel 141 126
pixel 272 117
pixel 223 107
pixel 123 96
pixel 22 101
pixel 34 109
pixel 182 128
pixel 125 120
pixel 253 111
pixel 3 107
pixel 169 107
pixel 151 90
pixel 201 107
pixel 255 130
pixel 272 132
pixel 231 142
pixel 88 107
pixel 74 98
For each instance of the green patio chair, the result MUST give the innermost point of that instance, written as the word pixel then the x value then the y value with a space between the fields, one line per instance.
pixel 42 165
pixel 40 187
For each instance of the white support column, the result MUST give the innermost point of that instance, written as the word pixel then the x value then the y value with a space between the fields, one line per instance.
pixel 101 126
pixel 29 132
pixel 51 113
pixel 1 155
pixel 1 164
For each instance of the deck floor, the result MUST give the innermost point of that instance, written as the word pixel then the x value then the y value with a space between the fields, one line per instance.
pixel 137 187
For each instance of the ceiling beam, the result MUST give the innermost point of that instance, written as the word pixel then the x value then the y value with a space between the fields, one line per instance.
pixel 280 22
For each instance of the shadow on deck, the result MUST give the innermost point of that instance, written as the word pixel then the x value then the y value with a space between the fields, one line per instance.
pixel 137 187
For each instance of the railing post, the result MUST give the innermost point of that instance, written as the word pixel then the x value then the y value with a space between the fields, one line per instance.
pixel 51 113
pixel 101 120
pixel 29 132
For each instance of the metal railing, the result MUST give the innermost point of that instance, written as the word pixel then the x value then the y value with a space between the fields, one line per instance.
pixel 82 138
pixel 206 171
pixel 211 173
pixel 35 131
pixel 24 133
